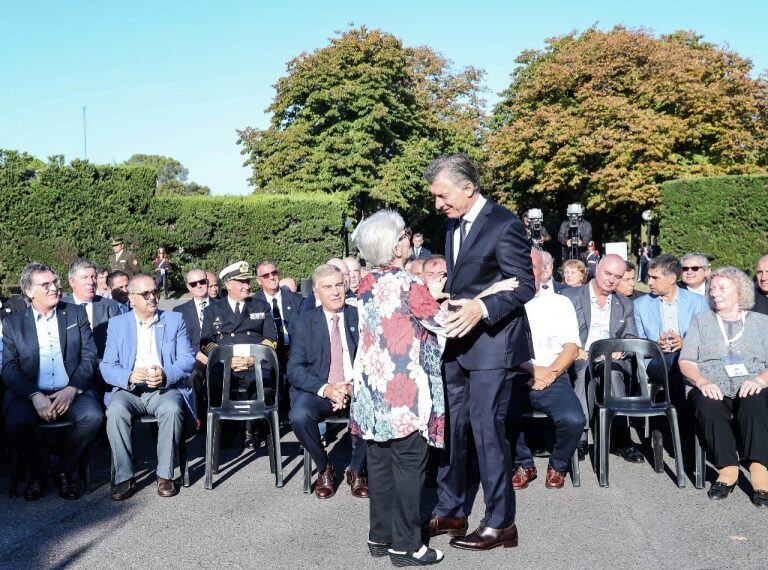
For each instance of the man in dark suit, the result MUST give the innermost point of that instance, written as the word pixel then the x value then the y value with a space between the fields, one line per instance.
pixel 320 373
pixel 696 272
pixel 419 251
pixel 123 260
pixel 311 301
pixel 485 243
pixel 49 359
pixel 82 279
pixel 761 286
pixel 628 284
pixel 240 319
pixel 603 314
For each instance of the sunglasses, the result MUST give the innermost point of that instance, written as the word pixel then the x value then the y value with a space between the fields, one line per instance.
pixel 692 268
pixel 198 283
pixel 147 294
pixel 274 273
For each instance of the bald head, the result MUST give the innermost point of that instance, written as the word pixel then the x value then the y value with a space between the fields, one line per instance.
pixel 609 272
pixel 417 268
pixel 547 266
pixel 354 272
pixel 339 263
pixel 761 274
pixel 538 261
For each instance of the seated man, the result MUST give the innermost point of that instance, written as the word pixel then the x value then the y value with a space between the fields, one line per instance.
pixel 49 359
pixel 601 315
pixel 555 336
pixel 761 286
pixel 548 284
pixel 696 272
pixel 349 297
pixel 628 285
pixel 117 281
pixel 148 360
pixel 320 374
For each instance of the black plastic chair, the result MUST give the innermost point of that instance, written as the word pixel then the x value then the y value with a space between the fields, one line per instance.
pixel 181 452
pixel 641 406
pixel 18 471
pixel 575 469
pixel 699 463
pixel 242 410
pixel 308 457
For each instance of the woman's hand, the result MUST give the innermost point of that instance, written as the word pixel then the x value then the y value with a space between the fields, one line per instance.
pixel 505 285
pixel 749 388
pixel 711 390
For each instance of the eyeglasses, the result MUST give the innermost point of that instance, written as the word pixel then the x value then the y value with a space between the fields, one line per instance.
pixel 407 232
pixel 692 268
pixel 50 285
pixel 198 283
pixel 274 273
pixel 147 294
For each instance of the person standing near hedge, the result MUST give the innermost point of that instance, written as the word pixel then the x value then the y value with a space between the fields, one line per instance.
pixel 123 260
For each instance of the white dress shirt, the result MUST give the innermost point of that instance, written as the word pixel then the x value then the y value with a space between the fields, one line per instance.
pixel 233 303
pixel 348 369
pixel 600 318
pixel 199 308
pixel 553 324
pixel 52 374
pixel 669 311
pixel 701 289
pixel 469 218
pixel 146 346
pixel 88 308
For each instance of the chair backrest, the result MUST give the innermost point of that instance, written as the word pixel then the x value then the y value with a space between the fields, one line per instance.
pixel 601 353
pixel 221 359
pixel 305 287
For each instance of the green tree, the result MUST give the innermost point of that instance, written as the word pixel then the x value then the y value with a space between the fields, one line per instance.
pixel 171 175
pixel 604 117
pixel 364 115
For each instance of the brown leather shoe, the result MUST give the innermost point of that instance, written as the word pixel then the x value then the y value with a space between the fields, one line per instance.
pixel 35 489
pixel 324 488
pixel 486 538
pixel 67 487
pixel 523 476
pixel 446 525
pixel 357 483
pixel 124 490
pixel 166 488
pixel 555 479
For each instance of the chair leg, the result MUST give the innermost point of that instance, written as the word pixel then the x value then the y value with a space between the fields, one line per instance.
pixel 603 444
pixel 679 465
pixel 271 449
pixel 575 469
pixel 307 471
pixel 216 450
pixel 183 460
pixel 210 442
pixel 657 444
pixel 278 454
pixel 699 463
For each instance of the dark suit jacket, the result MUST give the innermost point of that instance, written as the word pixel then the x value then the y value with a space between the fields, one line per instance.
pixel 290 305
pixel 221 326
pixel 761 302
pixel 495 248
pixel 424 253
pixel 622 323
pixel 706 287
pixel 21 351
pixel 310 360
pixel 188 312
pixel 127 263
pixel 103 310
pixel 311 302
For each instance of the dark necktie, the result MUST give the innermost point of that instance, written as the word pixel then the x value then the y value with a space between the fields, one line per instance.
pixel 462 231
pixel 237 309
pixel 336 372
pixel 278 321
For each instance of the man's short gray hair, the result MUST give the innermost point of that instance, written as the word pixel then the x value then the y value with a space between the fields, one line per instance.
pixel 458 167
pixel 325 270
pixel 135 278
pixel 191 271
pixel 693 255
pixel 25 282
pixel 744 285
pixel 546 259
pixel 378 234
pixel 82 263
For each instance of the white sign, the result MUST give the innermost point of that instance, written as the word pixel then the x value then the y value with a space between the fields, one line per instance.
pixel 619 248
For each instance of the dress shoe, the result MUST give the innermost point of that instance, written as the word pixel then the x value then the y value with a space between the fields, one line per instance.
pixel 720 490
pixel 67 487
pixel 446 525
pixel 255 439
pixel 760 499
pixel 582 449
pixel 555 479
pixel 630 454
pixel 523 476
pixel 124 490
pixel 379 549
pixel 165 487
pixel 35 490
pixel 431 556
pixel 358 484
pixel 486 538
pixel 324 488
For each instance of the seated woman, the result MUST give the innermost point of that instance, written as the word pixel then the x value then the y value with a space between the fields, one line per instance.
pixel 574 273
pixel 725 357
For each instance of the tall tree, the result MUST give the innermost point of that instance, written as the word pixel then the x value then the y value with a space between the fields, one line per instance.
pixel 605 116
pixel 171 175
pixel 364 115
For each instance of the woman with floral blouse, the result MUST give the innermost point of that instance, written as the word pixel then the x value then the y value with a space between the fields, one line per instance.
pixel 398 401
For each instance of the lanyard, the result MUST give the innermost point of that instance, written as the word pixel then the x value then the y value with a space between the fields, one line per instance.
pixel 729 341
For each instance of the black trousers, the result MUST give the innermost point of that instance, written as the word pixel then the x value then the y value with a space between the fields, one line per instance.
pixel 714 420
pixel 306 412
pixel 21 419
pixel 395 478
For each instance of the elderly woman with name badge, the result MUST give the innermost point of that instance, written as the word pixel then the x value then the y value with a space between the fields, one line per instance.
pixel 725 358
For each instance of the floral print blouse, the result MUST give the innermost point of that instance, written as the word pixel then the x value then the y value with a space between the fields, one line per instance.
pixel 398 385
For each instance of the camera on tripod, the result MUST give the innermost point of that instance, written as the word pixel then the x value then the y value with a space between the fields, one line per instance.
pixel 575 212
pixel 536 218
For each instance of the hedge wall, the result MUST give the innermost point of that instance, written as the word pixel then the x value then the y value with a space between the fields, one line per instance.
pixel 58 212
pixel 725 216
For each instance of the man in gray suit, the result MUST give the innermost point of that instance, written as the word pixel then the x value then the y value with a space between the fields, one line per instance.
pixel 602 314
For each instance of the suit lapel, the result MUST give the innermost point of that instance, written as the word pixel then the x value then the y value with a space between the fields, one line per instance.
pixel 29 342
pixel 350 329
pixel 474 230
pixel 449 248
pixel 615 316
pixel 159 334
pixel 324 338
pixel 131 341
pixel 586 307
pixel 61 318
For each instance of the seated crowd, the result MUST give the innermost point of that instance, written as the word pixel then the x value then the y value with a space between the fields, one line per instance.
pixel 105 354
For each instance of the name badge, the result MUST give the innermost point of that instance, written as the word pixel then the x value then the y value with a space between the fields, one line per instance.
pixel 734 365
pixel 256 316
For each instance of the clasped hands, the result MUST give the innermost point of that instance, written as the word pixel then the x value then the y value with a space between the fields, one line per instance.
pixel 152 376
pixel 338 394
pixel 542 377
pixel 54 405
pixel 670 341
pixel 242 363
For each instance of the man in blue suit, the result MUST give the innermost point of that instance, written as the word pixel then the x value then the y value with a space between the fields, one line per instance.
pixel 320 374
pixel 49 359
pixel 485 243
pixel 148 360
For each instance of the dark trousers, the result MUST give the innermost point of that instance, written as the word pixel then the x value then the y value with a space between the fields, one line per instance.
pixel 21 419
pixel 245 379
pixel 306 412
pixel 480 399
pixel 714 419
pixel 559 402
pixel 395 478
pixel 677 396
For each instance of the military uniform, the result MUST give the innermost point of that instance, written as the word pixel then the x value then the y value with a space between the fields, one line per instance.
pixel 123 261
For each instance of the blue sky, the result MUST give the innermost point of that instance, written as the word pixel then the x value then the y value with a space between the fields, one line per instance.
pixel 178 77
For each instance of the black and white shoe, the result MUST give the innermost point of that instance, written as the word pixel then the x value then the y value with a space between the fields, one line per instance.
pixel 378 550
pixel 424 557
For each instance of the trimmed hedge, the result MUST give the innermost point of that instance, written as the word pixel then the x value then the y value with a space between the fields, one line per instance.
pixel 725 217
pixel 55 213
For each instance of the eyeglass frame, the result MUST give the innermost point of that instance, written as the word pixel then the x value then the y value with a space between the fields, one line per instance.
pixel 146 294
pixel 198 283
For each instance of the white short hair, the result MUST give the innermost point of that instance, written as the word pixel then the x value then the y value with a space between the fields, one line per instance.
pixel 377 235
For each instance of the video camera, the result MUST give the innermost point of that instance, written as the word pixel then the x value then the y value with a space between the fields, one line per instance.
pixel 575 212
pixel 536 217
